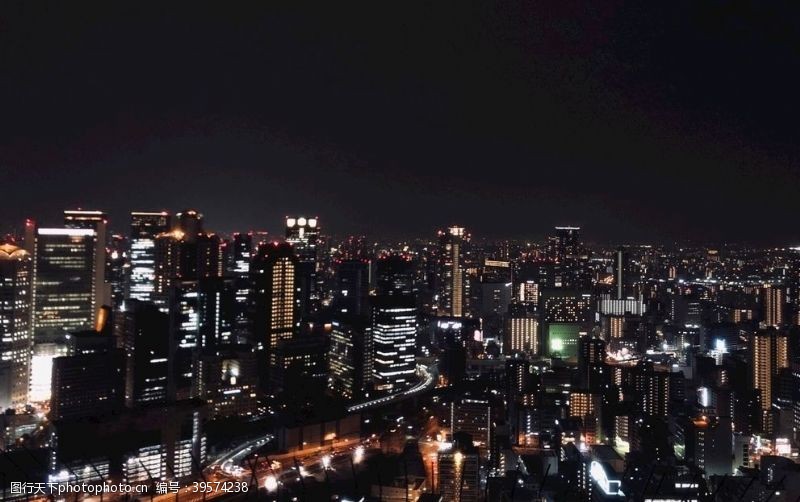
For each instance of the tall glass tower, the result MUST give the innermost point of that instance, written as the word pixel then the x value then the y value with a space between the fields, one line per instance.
pixel 65 279
pixel 145 226
pixel 16 340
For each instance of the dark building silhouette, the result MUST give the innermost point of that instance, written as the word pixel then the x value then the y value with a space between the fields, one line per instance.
pixel 144 333
pixel 90 381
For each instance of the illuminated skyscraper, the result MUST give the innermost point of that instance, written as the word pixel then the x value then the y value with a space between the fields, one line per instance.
pixel 459 471
pixel 773 298
pixel 350 362
pixel 452 286
pixel 275 299
pixel 229 380
pixel 528 292
pixel 394 334
pixel 117 268
pixel 566 244
pixel 203 312
pixel 145 227
pixel 42 370
pixel 242 257
pixel 65 295
pixel 566 315
pixel 655 386
pixel 185 253
pixel 591 363
pixel 770 353
pixel 201 316
pixel 304 236
pixel 522 382
pixel 522 331
pixel 242 253
pixel 568 259
pixel 97 221
pixel 16 335
pixel 188 285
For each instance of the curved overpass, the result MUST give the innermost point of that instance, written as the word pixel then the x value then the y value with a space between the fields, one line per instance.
pixel 428 374
pixel 235 456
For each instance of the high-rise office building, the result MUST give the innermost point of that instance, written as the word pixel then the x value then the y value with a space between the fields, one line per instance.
pixel 97 221
pixel 587 407
pixel 522 382
pixel 709 444
pixel 242 256
pixel 770 353
pixel 566 316
pixel 42 370
pixel 145 227
pixel 16 335
pixel 394 332
pixel 567 260
pixel 655 389
pixel 459 472
pixel 274 272
pixel 452 288
pixel 394 276
pixel 592 363
pixel 773 298
pixel 473 416
pixel 494 296
pixel 304 235
pixel 203 312
pixel 149 350
pixel 117 269
pixel 528 292
pixel 352 287
pixel 188 268
pixel 190 222
pixel 622 279
pixel 522 331
pixel 159 442
pixel 566 244
pixel 201 316
pixel 185 253
pixel 229 380
pixel 559 306
pixel 275 300
pixel 65 295
pixel 88 383
pixel 242 253
pixel 300 363
pixel 350 362
pixel 612 306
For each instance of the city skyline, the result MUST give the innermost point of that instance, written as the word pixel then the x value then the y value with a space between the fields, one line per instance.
pixel 274 230
pixel 628 122
pixel 413 252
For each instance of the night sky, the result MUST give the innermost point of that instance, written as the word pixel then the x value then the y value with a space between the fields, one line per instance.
pixel 649 122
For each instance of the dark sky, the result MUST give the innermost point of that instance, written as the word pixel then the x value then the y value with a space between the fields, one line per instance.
pixel 655 121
